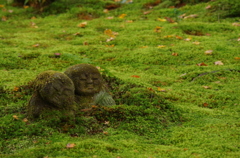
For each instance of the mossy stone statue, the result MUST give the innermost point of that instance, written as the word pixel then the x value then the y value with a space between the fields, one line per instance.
pixel 89 86
pixel 54 94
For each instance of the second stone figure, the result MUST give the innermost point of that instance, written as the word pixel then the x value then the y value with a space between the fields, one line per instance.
pixel 89 86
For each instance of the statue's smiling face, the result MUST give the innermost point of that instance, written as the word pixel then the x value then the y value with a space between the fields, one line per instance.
pixel 88 83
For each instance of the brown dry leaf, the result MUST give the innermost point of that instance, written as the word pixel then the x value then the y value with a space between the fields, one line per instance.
pixel 208 7
pixel 201 64
pixel 83 24
pixel 182 16
pixel 208 52
pixel 206 87
pixel 205 104
pixel 110 45
pixel 168 36
pixel 191 16
pixel 105 132
pixel 149 88
pixel 4 18
pixel 237 58
pixel 218 63
pixel 110 17
pixel 146 12
pixel 15 117
pixel 25 120
pixel 169 20
pixel 105 10
pixel 106 122
pixel 174 54
pixel 235 24
pixel 15 89
pixel 70 145
pixel 135 76
pixel 185 149
pixel 36 45
pixel 178 37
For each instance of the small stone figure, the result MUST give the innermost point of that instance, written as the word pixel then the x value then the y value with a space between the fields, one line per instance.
pixel 89 86
pixel 54 93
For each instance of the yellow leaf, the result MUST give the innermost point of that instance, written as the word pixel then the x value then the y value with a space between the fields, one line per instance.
pixel 157 29
pixel 122 16
pixel 26 6
pixel 161 89
pixel 15 117
pixel 197 43
pixel 83 24
pixel 159 19
pixel 168 36
pixel 110 33
pixel 161 46
pixel 144 47
pixel 1 6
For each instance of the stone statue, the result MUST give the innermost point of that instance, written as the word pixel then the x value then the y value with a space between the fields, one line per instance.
pixel 54 93
pixel 89 86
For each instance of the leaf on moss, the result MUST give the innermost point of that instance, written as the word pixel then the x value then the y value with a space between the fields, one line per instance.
pixel 70 145
pixel 83 24
pixel 208 52
pixel 201 64
pixel 135 76
pixel 122 16
pixel 15 117
pixel 218 63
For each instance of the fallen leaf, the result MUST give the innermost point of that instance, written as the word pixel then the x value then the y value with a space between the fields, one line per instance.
pixel 205 104
pixel 10 11
pixel 110 17
pixel 157 29
pixel 191 16
pixel 109 39
pixel 235 24
pixel 208 52
pixel 161 46
pixel 201 64
pixel 106 122
pixel 110 45
pixel 174 54
pixel 218 63
pixel 105 132
pixel 122 16
pixel 208 7
pixel 129 21
pixel 206 87
pixel 185 149
pixel 70 145
pixel 168 36
pixel 26 6
pixel 149 88
pixel 25 120
pixel 237 58
pixel 1 6
pixel 135 76
pixel 15 117
pixel 197 43
pixel 146 12
pixel 161 89
pixel 4 18
pixel 85 43
pixel 35 45
pixel 162 20
pixel 144 47
pixel 188 39
pixel 169 20
pixel 238 39
pixel 110 33
pixel 15 89
pixel 178 37
pixel 182 16
pixel 105 10
pixel 83 24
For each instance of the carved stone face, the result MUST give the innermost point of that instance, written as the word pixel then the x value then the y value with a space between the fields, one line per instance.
pixel 86 78
pixel 58 90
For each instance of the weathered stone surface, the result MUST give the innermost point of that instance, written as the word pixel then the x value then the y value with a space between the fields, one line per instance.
pixel 89 86
pixel 54 93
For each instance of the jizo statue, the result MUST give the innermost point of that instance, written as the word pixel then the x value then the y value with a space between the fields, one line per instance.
pixel 89 86
pixel 54 92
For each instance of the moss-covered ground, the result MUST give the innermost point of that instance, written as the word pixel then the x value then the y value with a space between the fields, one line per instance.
pixel 176 80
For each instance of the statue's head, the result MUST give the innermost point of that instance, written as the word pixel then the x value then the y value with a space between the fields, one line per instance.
pixel 55 88
pixel 86 78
